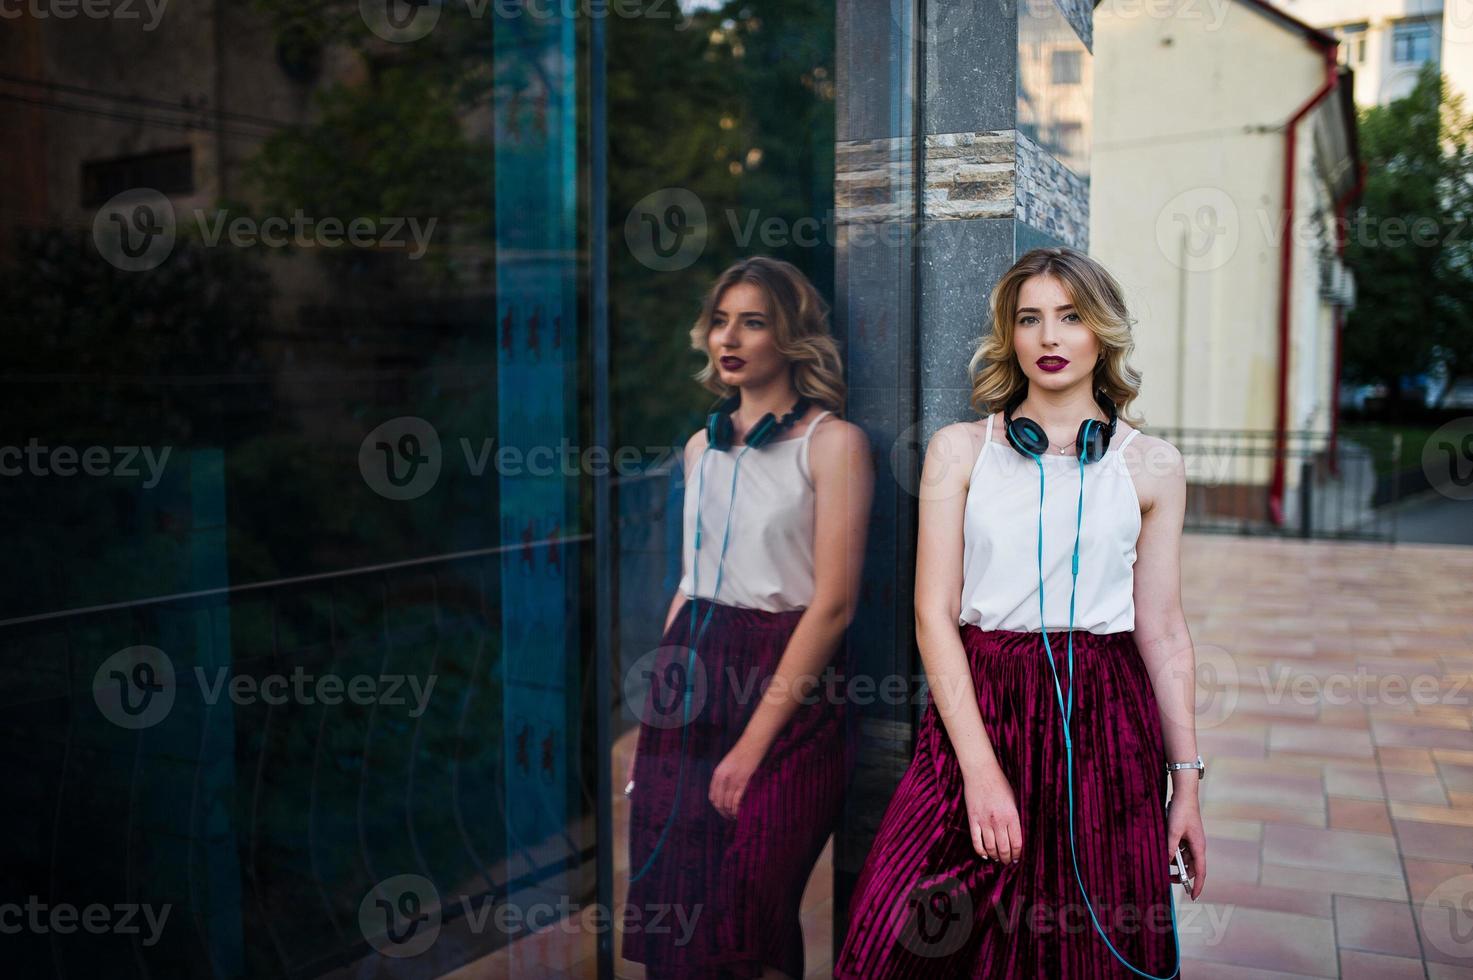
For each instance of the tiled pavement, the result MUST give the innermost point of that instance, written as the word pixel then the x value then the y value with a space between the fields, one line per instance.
pixel 1336 692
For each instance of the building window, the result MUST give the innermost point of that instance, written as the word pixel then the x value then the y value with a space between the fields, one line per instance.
pixel 167 171
pixel 1064 68
pixel 1352 44
pixel 1411 42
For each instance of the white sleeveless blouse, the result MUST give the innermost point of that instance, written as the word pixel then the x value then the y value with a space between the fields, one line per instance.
pixel 1000 540
pixel 769 556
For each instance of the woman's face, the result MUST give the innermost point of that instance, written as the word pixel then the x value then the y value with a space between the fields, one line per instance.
pixel 741 339
pixel 1056 349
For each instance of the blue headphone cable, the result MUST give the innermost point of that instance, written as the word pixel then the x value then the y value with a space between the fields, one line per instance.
pixel 692 642
pixel 1067 713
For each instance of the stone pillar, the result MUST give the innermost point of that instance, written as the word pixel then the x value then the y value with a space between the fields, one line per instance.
pixel 999 95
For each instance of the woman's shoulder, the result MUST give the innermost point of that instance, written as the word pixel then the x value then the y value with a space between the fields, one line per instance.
pixel 1153 463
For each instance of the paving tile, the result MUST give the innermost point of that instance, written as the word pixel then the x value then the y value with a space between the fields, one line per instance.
pixel 1399 759
pixel 1276 899
pixel 1416 735
pixel 1249 937
pixel 1195 969
pixel 1369 816
pixel 1414 787
pixel 1432 814
pixel 1356 965
pixel 1375 926
pixel 1331 850
pixel 1232 860
pixel 1434 841
pixel 1230 828
pixel 1456 777
pixel 1257 811
pixel 1354 782
pixel 1319 740
pixel 1337 882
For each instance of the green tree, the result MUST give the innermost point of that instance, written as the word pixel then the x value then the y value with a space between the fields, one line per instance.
pixel 1410 243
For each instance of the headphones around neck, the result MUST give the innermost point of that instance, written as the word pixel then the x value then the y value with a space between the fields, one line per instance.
pixel 1029 439
pixel 720 432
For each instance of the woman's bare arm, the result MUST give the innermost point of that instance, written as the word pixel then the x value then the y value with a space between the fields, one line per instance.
pixel 938 589
pixel 843 486
pixel 1160 624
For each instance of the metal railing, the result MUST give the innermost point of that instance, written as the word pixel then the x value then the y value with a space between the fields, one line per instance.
pixel 1325 496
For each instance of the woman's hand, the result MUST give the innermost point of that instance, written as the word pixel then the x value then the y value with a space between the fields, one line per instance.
pixel 992 814
pixel 729 780
pixel 1184 828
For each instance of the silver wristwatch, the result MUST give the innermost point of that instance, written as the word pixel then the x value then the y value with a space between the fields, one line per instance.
pixel 1199 765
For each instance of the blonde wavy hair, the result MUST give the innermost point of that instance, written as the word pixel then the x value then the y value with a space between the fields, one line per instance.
pixel 800 323
pixel 994 369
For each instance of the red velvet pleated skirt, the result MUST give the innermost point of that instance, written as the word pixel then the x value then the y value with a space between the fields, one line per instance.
pixel 927 905
pixel 727 892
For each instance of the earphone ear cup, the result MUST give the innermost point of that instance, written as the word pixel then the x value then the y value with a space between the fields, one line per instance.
pixel 1090 441
pixel 1027 436
pixel 762 431
pixel 718 431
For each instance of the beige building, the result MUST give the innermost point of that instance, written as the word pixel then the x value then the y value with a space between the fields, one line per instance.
pixel 1224 149
pixel 1387 41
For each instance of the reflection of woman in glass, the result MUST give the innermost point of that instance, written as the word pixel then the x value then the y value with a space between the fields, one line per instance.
pixel 734 796
pixel 1007 850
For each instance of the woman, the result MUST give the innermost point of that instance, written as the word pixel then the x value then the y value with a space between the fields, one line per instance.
pixel 735 793
pixel 979 861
